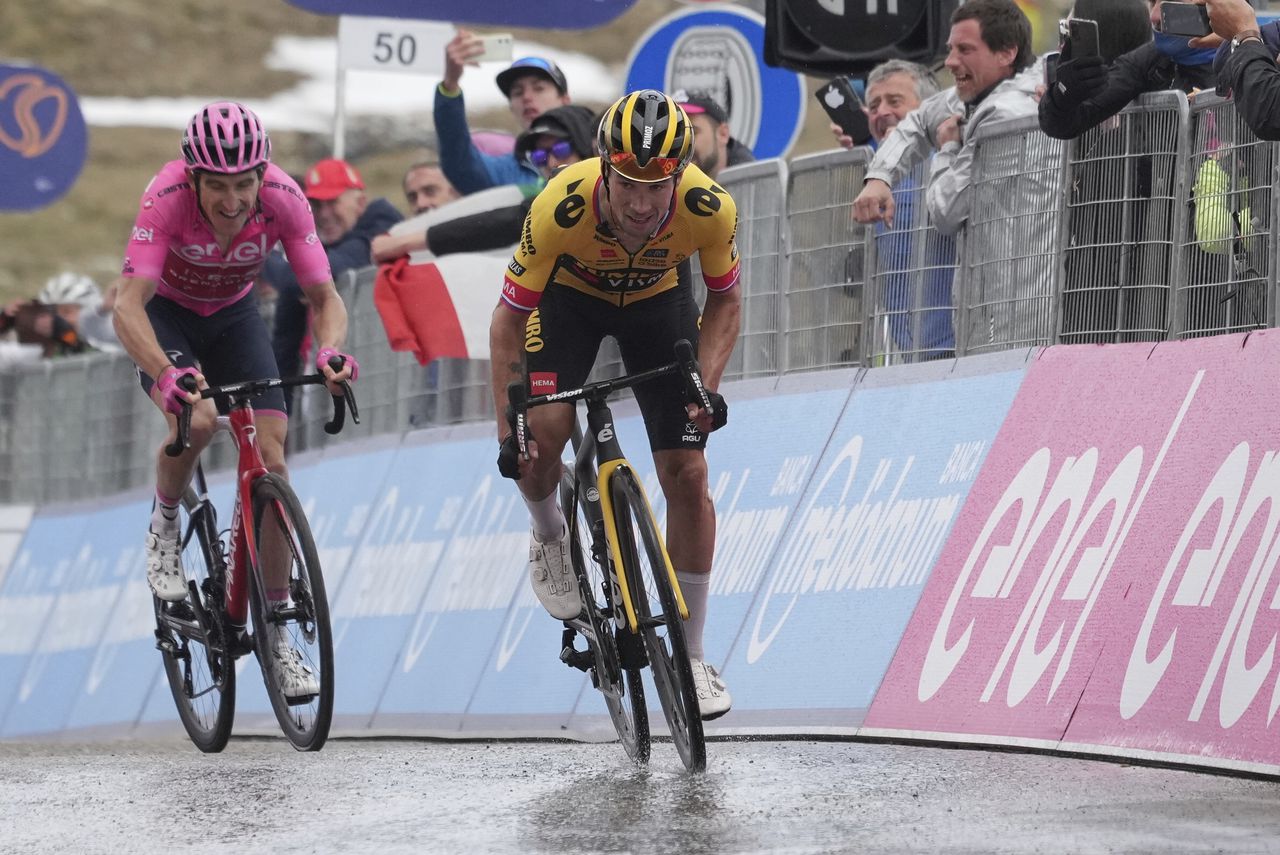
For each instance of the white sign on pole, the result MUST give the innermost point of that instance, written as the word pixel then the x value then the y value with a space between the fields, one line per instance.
pixel 392 44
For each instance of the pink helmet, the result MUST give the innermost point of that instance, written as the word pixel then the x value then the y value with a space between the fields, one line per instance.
pixel 225 137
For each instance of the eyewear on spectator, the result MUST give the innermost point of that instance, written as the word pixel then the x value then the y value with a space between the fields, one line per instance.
pixel 560 150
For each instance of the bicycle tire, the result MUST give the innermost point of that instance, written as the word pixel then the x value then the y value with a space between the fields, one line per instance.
pixel 622 687
pixel 304 619
pixel 200 669
pixel 659 620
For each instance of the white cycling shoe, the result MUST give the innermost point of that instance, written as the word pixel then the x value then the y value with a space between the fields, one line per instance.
pixel 551 574
pixel 714 699
pixel 295 678
pixel 164 567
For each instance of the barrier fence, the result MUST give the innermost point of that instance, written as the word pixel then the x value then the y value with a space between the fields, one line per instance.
pixel 1155 225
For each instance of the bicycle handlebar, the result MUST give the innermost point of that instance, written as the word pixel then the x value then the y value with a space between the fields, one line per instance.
pixel 247 388
pixel 519 401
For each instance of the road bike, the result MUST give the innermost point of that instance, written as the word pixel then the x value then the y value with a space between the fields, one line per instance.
pixel 229 575
pixel 633 609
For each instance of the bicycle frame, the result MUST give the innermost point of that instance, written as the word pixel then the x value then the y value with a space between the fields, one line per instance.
pixel 600 443
pixel 249 468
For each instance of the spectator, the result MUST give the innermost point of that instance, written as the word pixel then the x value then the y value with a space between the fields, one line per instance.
pixel 31 322
pixel 1246 63
pixel 990 58
pixel 1100 297
pixel 713 147
pixel 558 137
pixel 532 86
pixel 77 300
pixel 1090 89
pixel 924 327
pixel 346 223
pixel 426 188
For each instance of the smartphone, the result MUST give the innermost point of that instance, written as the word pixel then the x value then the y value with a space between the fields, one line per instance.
pixel 1184 19
pixel 497 48
pixel 838 97
pixel 1051 68
pixel 1083 37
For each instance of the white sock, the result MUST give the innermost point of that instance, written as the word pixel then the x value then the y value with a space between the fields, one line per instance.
pixel 548 521
pixel 694 587
pixel 164 517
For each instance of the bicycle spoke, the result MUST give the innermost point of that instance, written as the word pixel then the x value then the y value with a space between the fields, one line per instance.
pixel 291 634
pixel 197 663
pixel 657 614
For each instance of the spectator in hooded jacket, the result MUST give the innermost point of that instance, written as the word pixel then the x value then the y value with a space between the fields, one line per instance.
pixel 558 137
pixel 346 222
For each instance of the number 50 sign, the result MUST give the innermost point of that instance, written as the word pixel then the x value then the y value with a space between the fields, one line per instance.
pixel 392 44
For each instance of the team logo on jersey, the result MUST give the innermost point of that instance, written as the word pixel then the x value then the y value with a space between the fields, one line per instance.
pixel 526 238
pixel 656 253
pixel 608 253
pixel 533 335
pixel 542 382
pixel 701 202
pixel 245 253
pixel 142 235
pixel 516 268
pixel 570 211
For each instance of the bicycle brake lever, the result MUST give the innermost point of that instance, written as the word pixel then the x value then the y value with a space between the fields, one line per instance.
pixel 182 441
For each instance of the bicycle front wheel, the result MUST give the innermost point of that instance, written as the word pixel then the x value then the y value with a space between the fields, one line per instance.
pixel 290 615
pixel 194 639
pixel 658 615
pixel 617 661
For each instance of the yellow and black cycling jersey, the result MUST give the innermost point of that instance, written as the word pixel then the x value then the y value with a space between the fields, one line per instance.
pixel 565 241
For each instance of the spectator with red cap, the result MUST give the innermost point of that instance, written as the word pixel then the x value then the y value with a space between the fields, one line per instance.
pixel 713 147
pixel 347 221
pixel 532 86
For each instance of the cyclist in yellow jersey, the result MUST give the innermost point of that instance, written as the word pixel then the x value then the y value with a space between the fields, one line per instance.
pixel 600 255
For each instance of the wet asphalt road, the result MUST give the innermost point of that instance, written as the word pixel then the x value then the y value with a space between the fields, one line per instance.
pixel 776 797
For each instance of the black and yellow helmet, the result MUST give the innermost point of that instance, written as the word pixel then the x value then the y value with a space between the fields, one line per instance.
pixel 646 136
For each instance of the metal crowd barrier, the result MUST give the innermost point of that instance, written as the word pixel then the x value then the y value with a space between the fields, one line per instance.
pixel 1154 225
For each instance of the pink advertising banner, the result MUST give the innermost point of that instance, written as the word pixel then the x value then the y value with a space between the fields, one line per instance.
pixel 1111 580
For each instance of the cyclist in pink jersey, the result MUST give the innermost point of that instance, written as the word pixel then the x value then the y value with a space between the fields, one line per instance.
pixel 186 306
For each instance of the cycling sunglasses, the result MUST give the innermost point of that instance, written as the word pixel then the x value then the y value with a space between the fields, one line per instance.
pixel 539 156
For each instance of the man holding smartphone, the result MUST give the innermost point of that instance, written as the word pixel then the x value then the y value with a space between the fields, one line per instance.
pixel 532 86
pixel 1247 63
pixel 1131 59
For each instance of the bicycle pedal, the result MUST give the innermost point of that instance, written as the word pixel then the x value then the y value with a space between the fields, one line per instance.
pixel 580 659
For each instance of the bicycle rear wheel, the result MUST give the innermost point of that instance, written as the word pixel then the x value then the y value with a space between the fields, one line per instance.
pixel 617 674
pixel 198 661
pixel 658 616
pixel 298 623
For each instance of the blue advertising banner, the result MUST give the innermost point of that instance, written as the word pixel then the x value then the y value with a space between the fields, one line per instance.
pixel 125 662
pixel 870 522
pixel 43 139
pixel 478 614
pixel 44 587
pixel 552 14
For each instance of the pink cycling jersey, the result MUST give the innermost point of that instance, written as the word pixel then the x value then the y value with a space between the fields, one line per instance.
pixel 173 244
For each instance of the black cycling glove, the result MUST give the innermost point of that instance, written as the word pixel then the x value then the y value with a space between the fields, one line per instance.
pixel 719 410
pixel 509 458
pixel 1079 79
